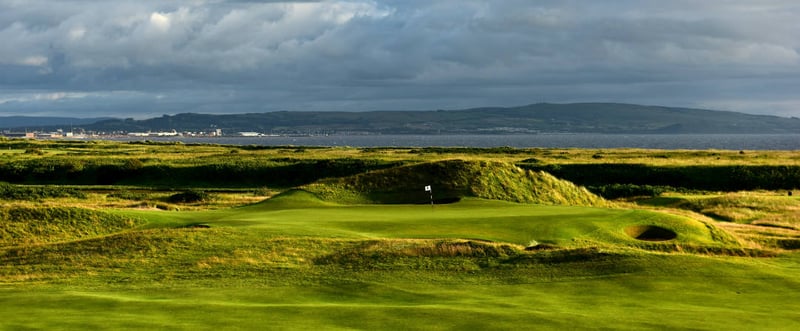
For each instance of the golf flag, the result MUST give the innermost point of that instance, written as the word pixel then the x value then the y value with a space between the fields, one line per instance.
pixel 427 188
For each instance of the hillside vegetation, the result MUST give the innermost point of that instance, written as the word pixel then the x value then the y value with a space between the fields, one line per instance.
pixel 452 180
pixel 169 165
pixel 22 226
pixel 697 177
pixel 543 117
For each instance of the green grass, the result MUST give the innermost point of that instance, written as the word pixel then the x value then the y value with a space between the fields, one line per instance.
pixel 20 225
pixel 298 262
pixel 667 297
pixel 346 262
pixel 452 180
pixel 34 193
pixel 249 276
pixel 743 207
pixel 299 213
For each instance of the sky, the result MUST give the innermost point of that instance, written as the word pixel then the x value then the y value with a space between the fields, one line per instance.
pixel 142 58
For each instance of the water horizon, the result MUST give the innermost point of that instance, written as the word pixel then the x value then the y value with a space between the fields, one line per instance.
pixel 645 141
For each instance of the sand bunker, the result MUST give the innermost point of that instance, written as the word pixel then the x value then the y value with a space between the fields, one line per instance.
pixel 650 233
pixel 198 226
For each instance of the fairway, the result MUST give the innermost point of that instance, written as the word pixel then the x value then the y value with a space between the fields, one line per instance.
pixel 626 302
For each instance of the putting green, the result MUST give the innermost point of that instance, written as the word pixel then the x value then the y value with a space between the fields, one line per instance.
pixel 498 221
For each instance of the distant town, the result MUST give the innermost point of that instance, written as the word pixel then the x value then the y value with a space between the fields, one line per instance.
pixel 81 134
pixel 522 120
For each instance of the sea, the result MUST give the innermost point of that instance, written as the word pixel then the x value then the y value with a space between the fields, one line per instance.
pixel 648 141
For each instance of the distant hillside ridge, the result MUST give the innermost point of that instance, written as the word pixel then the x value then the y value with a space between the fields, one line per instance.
pixel 609 118
pixel 36 123
pixel 452 180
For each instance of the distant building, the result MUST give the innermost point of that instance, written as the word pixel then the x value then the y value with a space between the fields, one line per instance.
pixel 154 134
pixel 29 135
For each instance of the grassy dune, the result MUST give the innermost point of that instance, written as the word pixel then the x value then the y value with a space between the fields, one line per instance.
pixel 452 180
pixel 22 226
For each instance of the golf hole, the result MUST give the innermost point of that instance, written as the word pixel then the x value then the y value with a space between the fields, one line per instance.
pixel 650 233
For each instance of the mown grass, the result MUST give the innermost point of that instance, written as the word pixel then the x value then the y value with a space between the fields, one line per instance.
pixel 298 262
pixel 258 240
pixel 236 287
pixel 672 299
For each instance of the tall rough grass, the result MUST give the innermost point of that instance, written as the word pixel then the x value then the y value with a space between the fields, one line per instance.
pixel 23 225
pixel 515 184
pixel 34 193
pixel 741 207
pixel 454 179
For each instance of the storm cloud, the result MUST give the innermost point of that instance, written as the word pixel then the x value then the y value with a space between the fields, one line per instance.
pixel 146 58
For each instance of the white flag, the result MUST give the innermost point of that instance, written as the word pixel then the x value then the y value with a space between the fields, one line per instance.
pixel 427 188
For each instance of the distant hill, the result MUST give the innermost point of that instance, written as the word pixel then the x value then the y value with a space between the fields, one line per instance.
pixel 36 123
pixel 535 118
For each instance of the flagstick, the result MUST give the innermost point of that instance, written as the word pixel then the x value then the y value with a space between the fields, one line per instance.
pixel 431 198
pixel 429 188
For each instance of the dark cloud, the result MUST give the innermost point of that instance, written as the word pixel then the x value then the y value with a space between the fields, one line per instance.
pixel 141 58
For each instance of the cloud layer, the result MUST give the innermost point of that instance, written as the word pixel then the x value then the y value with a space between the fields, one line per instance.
pixel 145 58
